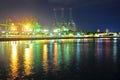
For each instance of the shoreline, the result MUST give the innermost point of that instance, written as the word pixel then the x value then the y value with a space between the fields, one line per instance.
pixel 47 38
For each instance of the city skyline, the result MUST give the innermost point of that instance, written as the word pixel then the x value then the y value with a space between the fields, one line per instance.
pixel 88 15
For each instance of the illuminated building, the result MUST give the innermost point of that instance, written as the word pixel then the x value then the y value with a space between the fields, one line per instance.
pixel 26 26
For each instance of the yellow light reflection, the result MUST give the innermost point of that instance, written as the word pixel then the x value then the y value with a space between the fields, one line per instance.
pixel 28 60
pixel 55 58
pixel 45 58
pixel 14 62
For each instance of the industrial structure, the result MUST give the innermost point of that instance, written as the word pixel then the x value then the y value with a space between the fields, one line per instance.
pixel 71 23
pixel 62 28
pixel 62 24
pixel 25 26
pixel 56 24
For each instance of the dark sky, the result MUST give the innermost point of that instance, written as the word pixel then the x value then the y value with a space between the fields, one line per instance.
pixel 87 14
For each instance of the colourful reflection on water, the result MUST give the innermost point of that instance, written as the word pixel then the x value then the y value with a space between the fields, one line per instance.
pixel 45 58
pixel 51 49
pixel 14 64
pixel 67 54
pixel 115 50
pixel 78 50
pixel 59 56
pixel 99 49
pixel 55 58
pixel 78 53
pixel 107 47
pixel 37 55
pixel 51 53
pixel 87 48
pixel 28 59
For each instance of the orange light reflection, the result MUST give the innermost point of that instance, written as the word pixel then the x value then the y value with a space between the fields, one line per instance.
pixel 14 62
pixel 45 58
pixel 28 60
pixel 55 59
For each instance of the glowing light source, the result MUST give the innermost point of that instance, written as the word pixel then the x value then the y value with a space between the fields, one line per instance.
pixel 27 28
pixel 45 30
pixel 13 29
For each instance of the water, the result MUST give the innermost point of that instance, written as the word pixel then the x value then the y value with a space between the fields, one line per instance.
pixel 71 59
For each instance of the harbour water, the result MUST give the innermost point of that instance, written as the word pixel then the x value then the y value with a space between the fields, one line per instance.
pixel 62 59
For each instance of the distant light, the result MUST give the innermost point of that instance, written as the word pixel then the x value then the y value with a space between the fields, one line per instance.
pixel 13 29
pixel 51 34
pixel 78 34
pixel 114 38
pixel 26 27
pixel 13 24
pixel 55 31
pixel 66 29
pixel 78 40
pixel 45 30
pixel 3 31
pixel 59 34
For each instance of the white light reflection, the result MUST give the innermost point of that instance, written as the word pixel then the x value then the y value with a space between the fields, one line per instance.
pixel 78 52
pixel 78 49
pixel 99 49
pixel 51 49
pixel 115 50
pixel 114 40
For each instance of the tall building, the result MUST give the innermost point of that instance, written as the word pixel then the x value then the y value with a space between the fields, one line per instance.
pixel 71 23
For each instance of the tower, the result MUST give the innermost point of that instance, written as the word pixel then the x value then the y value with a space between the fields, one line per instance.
pixel 71 23
pixel 98 30
pixel 107 30
pixel 8 22
pixel 63 23
pixel 56 25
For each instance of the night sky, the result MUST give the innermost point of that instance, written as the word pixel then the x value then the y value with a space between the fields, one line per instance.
pixel 87 14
